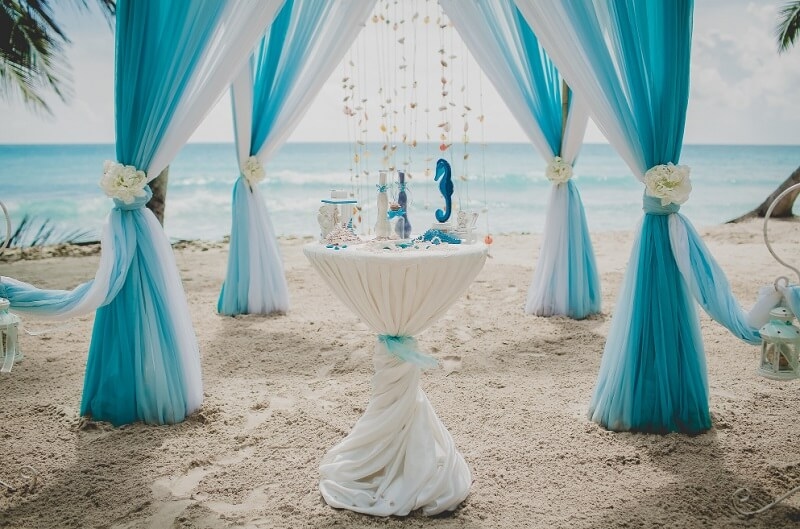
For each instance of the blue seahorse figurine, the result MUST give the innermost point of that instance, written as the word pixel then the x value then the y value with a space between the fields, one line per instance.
pixel 445 188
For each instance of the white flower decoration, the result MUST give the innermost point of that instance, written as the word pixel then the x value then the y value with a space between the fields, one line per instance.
pixel 558 171
pixel 668 182
pixel 123 182
pixel 253 171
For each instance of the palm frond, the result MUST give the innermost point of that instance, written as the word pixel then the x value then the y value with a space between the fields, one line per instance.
pixel 34 232
pixel 788 27
pixel 32 58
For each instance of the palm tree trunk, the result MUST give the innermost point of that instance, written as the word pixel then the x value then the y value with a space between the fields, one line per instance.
pixel 783 209
pixel 158 203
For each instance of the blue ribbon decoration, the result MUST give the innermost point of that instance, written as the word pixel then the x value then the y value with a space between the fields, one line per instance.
pixel 392 213
pixel 382 188
pixel 405 348
pixel 652 206
pixel 138 202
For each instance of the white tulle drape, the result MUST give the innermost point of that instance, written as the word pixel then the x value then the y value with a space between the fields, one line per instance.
pixel 267 290
pixel 399 456
pixel 243 23
pixel 554 28
pixel 469 19
pixel 343 22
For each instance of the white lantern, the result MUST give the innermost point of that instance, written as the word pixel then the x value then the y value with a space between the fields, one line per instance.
pixel 780 342
pixel 9 326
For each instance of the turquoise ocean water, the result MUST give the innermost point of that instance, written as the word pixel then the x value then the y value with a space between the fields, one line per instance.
pixel 59 182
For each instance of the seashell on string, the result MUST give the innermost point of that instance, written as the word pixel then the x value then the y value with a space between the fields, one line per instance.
pixel 444 80
pixel 414 16
pixel 375 18
pixel 467 108
pixel 413 143
pixel 462 177
pixel 401 40
pixel 443 63
pixel 345 79
pixel 444 93
pixel 466 126
pixel 443 137
pixel 466 155
pixel 426 19
pixel 442 108
pixel 412 104
pixel 480 118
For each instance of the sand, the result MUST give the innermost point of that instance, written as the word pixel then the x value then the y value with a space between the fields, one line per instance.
pixel 513 391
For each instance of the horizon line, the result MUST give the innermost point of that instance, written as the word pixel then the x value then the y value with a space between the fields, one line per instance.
pixel 334 142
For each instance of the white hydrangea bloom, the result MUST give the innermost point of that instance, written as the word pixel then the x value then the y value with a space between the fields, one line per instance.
pixel 670 183
pixel 123 182
pixel 253 171
pixel 558 171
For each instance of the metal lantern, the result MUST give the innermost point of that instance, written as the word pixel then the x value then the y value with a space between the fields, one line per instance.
pixel 780 343
pixel 9 326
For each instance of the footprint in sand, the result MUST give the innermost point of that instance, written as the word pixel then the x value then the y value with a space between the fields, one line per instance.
pixel 451 364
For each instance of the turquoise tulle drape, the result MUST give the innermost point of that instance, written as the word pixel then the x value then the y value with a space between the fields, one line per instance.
pixel 631 60
pixel 255 282
pixel 143 362
pixel 565 280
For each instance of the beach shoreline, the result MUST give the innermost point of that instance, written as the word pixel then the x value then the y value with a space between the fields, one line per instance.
pixel 281 390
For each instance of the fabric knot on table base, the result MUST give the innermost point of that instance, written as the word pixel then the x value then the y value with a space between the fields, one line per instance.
pixel 399 457
pixel 406 348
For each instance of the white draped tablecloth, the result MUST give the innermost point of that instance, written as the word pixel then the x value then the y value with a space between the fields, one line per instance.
pixel 399 456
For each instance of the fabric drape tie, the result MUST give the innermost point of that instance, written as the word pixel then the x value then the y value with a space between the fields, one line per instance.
pixel 138 202
pixel 652 206
pixel 405 348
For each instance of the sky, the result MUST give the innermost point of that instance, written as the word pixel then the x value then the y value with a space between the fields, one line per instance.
pixel 742 91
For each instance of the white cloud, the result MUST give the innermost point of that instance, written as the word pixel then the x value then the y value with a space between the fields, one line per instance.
pixel 742 91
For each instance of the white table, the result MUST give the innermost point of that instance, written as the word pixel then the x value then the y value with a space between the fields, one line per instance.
pixel 399 457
